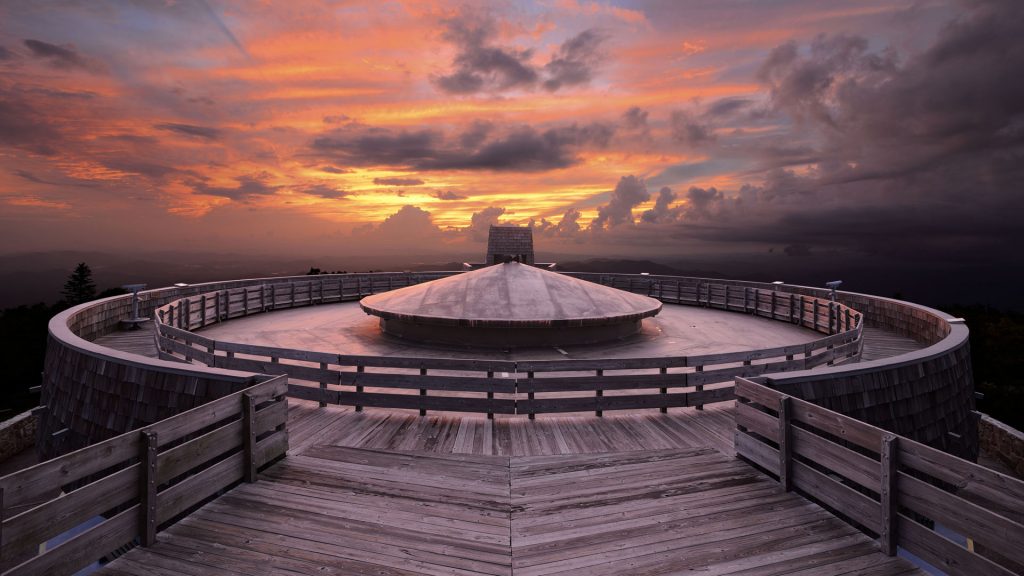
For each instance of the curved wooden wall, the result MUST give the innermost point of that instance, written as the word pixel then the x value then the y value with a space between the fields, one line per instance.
pixel 91 393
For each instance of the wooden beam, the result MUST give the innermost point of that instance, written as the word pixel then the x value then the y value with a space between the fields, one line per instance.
pixel 785 445
pixel 889 495
pixel 147 488
pixel 249 436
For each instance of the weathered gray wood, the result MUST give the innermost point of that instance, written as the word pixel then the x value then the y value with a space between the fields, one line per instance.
pixel 249 437
pixel 944 554
pixel 148 475
pixel 991 530
pixel 785 445
pixel 889 496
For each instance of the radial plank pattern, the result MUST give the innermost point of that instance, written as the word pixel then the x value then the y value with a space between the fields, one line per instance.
pixel 341 510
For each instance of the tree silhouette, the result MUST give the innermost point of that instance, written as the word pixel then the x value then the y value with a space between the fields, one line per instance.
pixel 79 287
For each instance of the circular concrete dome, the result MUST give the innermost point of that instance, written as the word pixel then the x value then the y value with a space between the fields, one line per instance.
pixel 510 305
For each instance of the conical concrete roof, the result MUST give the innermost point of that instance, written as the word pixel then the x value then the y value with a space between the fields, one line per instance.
pixel 511 295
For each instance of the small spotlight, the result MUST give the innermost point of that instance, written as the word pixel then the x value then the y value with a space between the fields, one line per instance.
pixel 645 273
pixel 778 282
pixel 180 284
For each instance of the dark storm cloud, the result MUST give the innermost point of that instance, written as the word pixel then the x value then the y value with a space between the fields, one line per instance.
pixel 575 61
pixel 64 57
pixel 204 132
pixel 908 158
pixel 628 193
pixel 397 181
pixel 248 187
pixel 480 65
pixel 520 149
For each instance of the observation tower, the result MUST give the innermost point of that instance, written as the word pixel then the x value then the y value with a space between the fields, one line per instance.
pixel 509 419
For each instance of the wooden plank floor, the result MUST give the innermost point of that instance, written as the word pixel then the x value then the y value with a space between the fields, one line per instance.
pixel 404 430
pixel 139 341
pixel 341 510
pixel 880 344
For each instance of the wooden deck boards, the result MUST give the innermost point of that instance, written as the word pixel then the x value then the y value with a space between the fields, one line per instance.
pixel 141 341
pixel 342 510
pixel 880 344
pixel 310 425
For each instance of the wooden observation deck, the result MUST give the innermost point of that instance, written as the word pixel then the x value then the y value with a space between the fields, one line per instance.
pixel 384 492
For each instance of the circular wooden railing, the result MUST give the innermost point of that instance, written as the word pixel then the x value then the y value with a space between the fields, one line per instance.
pixel 91 392
pixel 522 387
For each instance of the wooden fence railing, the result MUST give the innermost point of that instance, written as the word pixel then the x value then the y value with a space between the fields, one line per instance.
pixel 503 387
pixel 907 494
pixel 121 490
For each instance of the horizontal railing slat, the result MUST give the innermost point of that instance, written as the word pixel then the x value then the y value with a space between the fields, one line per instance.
pixel 834 494
pixel 944 554
pixel 991 530
pixel 66 558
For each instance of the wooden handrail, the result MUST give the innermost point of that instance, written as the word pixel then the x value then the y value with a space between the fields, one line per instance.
pixel 137 481
pixel 677 382
pixel 888 485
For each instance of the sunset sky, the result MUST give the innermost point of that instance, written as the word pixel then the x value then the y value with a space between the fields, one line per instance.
pixel 868 129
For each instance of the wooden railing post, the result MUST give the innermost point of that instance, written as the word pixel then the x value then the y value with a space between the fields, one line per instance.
pixel 423 372
pixel 359 387
pixel 202 310
pixel 785 445
pixel 147 488
pixel 599 394
pixel 888 493
pixel 529 395
pixel 699 388
pixel 323 386
pixel 249 436
pixel 664 390
pixel 490 396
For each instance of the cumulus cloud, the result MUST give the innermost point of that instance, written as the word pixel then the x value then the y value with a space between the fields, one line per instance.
pixel 448 195
pixel 397 181
pixel 662 211
pixel 481 65
pixel 568 227
pixel 410 226
pixel 629 193
pixel 575 61
pixel 481 222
